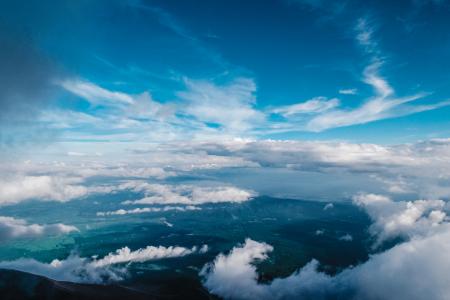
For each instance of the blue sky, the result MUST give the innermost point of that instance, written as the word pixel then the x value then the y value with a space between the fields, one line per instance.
pixel 150 71
pixel 139 107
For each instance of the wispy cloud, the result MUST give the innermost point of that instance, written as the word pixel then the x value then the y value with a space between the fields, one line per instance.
pixel 383 105
pixel 230 106
pixel 348 91
pixel 94 93
pixel 315 105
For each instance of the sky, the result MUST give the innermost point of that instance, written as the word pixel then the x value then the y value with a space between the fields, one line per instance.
pixel 139 107
pixel 138 72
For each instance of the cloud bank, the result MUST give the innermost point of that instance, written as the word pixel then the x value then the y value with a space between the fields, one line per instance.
pixel 142 210
pixel 21 188
pixel 401 218
pixel 11 228
pixel 413 270
pixel 185 194
pixel 92 270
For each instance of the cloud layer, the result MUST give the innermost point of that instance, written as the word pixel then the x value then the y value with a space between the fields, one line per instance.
pixel 92 270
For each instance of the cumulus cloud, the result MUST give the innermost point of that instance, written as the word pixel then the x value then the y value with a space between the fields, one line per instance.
pixel 11 228
pixel 400 271
pixel 233 276
pixel 17 189
pixel 93 270
pixel 401 218
pixel 185 194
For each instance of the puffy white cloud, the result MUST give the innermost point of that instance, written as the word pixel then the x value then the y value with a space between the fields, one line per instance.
pixel 233 276
pixel 17 189
pixel 219 194
pixel 92 270
pixel 401 218
pixel 11 228
pixel 185 194
pixel 148 210
pixel 413 270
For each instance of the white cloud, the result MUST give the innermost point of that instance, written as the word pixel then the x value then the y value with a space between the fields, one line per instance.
pixel 348 91
pixel 95 94
pixel 125 255
pixel 229 106
pixel 208 111
pixel 382 106
pixel 401 218
pixel 419 168
pixel 312 106
pixel 328 206
pixel 416 269
pixel 219 194
pixel 17 189
pixel 233 276
pixel 11 228
pixel 364 35
pixel 185 194
pixel 121 212
pixel 93 270
pixel 346 238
